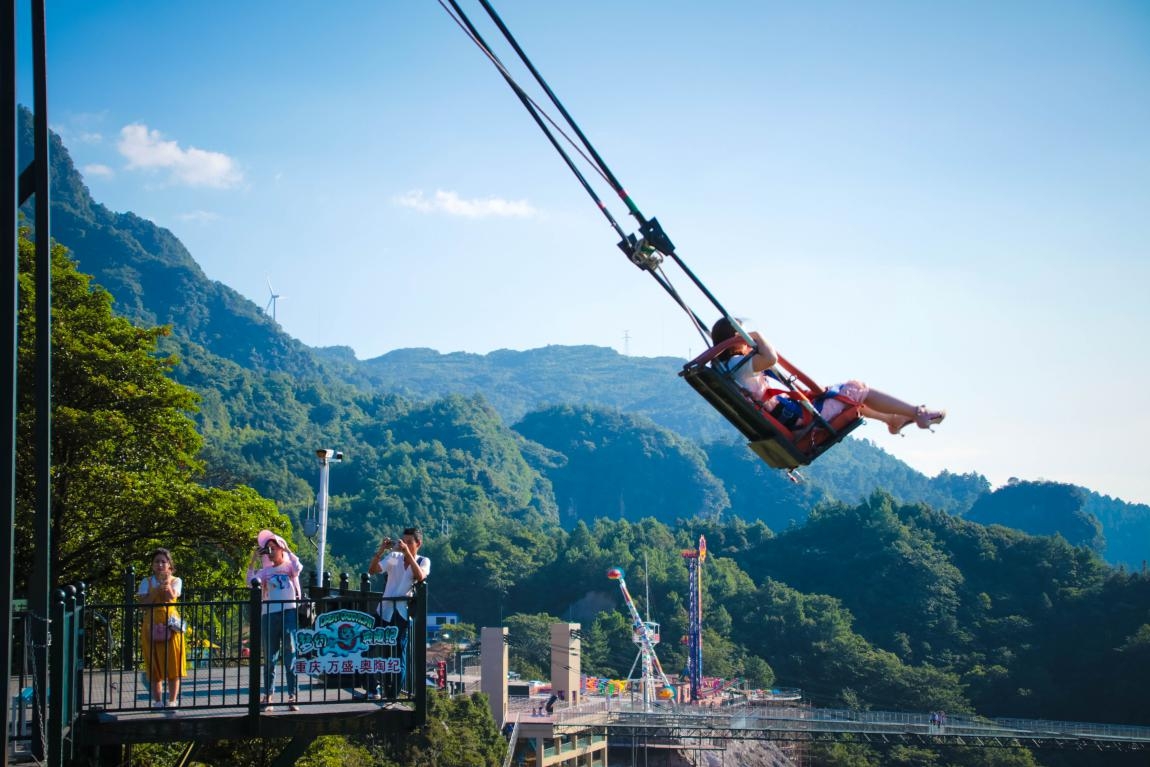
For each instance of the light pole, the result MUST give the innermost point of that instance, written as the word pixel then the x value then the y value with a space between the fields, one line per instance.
pixel 326 458
pixel 455 651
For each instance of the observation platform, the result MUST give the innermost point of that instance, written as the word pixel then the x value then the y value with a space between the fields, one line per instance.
pixel 101 654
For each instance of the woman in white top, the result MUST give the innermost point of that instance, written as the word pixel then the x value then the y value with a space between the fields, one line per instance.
pixel 162 638
pixel 279 579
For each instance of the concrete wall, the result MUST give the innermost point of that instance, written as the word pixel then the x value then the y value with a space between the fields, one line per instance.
pixel 493 667
pixel 565 661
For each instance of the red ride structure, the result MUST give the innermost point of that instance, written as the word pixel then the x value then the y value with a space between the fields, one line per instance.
pixel 695 559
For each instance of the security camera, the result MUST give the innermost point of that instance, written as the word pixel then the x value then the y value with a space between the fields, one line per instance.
pixel 326 455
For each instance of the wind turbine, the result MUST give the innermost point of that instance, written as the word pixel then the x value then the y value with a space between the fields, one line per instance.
pixel 273 297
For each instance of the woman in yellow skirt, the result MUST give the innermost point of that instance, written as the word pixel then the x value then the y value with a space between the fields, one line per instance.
pixel 162 637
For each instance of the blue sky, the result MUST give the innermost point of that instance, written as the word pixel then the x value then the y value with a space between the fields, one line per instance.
pixel 947 200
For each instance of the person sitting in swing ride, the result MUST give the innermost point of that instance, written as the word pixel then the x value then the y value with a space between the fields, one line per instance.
pixel 751 376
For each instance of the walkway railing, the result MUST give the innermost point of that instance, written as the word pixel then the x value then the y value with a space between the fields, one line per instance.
pixel 224 643
pixel 101 656
pixel 623 719
pixel 41 721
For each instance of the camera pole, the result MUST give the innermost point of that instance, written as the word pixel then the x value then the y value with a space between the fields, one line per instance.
pixel 326 458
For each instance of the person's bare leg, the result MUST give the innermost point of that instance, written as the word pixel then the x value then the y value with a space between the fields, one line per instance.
pixel 885 403
pixel 897 414
pixel 174 691
pixel 894 423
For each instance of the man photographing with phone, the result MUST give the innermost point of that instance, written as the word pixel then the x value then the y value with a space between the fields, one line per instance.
pixel 403 567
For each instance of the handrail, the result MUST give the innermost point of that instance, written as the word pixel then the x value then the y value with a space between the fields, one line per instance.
pixel 745 720
pixel 511 740
pixel 224 648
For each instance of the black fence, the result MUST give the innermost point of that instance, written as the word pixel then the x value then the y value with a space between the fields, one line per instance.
pixel 209 651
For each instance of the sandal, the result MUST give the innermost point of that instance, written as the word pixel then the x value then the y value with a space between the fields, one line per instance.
pixel 293 705
pixel 926 418
pixel 896 427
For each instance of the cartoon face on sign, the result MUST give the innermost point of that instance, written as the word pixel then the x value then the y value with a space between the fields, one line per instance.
pixel 344 634
pixel 346 637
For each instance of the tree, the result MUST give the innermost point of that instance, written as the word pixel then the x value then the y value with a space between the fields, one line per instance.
pixel 459 731
pixel 530 639
pixel 1042 508
pixel 124 448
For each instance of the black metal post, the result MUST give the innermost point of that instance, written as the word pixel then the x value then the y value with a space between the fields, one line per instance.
pixel 79 652
pixel 55 756
pixel 40 586
pixel 255 654
pixel 417 671
pixel 9 308
pixel 128 628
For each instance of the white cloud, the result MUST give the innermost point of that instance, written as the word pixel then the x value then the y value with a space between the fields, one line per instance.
pixel 148 150
pixel 199 216
pixel 453 205
pixel 97 169
pixel 81 128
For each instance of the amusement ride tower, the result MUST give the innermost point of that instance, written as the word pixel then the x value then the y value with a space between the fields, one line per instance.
pixel 695 559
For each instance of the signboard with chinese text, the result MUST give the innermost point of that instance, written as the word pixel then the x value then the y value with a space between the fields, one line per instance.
pixel 341 642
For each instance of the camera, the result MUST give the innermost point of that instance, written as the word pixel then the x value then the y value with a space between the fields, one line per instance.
pixel 264 550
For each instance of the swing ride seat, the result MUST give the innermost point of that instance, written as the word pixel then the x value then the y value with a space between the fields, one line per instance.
pixel 779 446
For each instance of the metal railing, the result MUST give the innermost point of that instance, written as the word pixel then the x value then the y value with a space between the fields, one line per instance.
pixel 219 652
pixel 41 721
pixel 512 740
pixel 742 721
pixel 104 659
pixel 20 687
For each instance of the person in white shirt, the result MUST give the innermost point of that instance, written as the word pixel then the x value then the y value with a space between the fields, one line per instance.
pixel 402 565
pixel 279 581
pixel 163 646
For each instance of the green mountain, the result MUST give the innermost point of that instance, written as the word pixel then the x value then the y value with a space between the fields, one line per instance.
pixel 516 383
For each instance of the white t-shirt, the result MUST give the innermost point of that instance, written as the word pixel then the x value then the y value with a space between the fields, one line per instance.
pixel 150 582
pixel 745 375
pixel 400 582
pixel 279 582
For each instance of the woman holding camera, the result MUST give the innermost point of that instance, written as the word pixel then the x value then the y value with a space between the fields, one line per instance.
pixel 277 569
pixel 162 633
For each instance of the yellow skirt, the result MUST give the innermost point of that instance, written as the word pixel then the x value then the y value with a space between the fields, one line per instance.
pixel 165 659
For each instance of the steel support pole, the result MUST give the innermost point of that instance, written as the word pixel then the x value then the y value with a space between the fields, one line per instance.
pixel 10 173
pixel 40 586
pixel 321 512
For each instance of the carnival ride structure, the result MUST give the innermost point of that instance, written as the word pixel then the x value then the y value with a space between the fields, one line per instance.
pixel 646 635
pixel 695 559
